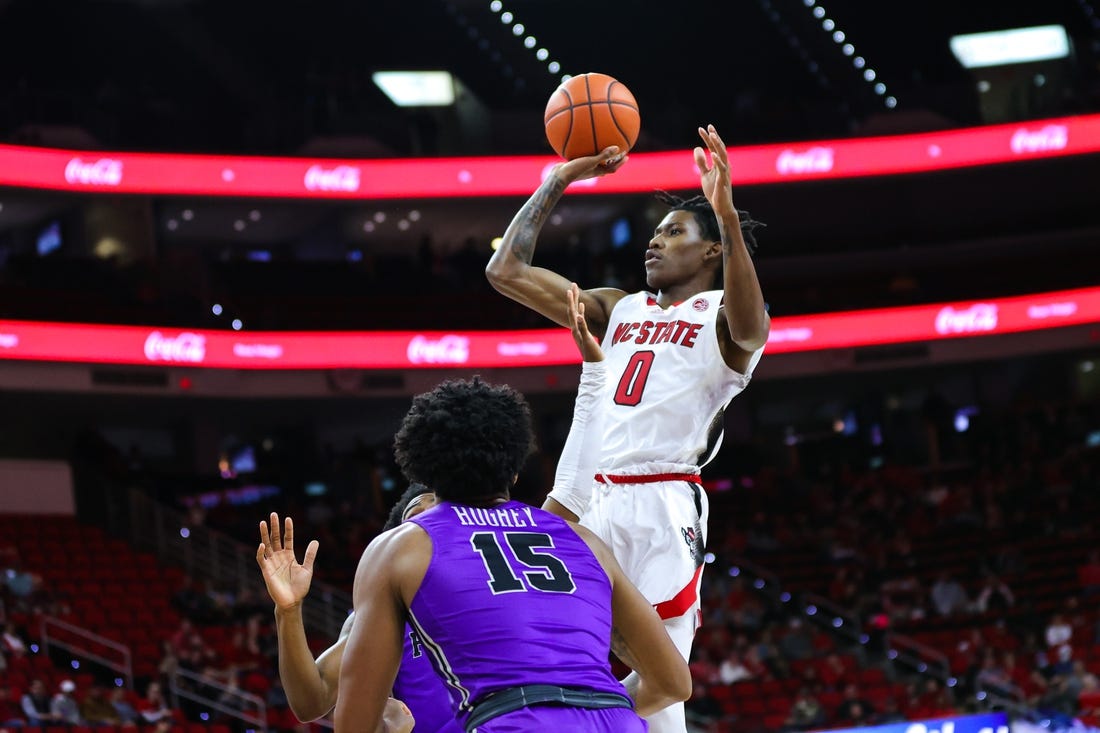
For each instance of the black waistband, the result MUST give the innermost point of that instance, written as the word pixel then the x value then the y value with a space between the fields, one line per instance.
pixel 515 698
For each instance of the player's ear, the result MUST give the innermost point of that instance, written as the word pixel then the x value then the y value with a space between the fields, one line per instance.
pixel 713 250
pixel 515 478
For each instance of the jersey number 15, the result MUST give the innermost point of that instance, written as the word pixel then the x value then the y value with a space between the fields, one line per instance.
pixel 542 571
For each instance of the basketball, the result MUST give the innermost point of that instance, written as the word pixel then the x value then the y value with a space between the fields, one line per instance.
pixel 590 112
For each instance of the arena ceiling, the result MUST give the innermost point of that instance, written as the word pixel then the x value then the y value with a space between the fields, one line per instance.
pixel 287 78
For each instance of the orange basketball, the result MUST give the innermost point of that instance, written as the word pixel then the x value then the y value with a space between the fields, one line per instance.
pixel 590 112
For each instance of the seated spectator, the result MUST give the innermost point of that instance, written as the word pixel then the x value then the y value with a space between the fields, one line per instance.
pixel 64 704
pixel 806 712
pixel 832 672
pixel 96 709
pixel 798 642
pixel 153 708
pixel 948 596
pixel 733 669
pixel 13 641
pixel 889 713
pixel 1058 631
pixel 127 714
pixel 853 709
pixel 36 705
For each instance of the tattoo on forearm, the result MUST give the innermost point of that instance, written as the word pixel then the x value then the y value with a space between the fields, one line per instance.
pixel 727 245
pixel 621 649
pixel 533 215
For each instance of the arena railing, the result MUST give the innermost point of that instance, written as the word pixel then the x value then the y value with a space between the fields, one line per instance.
pixel 87 645
pixel 216 558
pixel 235 703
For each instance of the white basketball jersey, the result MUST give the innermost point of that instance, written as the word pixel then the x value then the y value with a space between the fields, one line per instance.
pixel 667 384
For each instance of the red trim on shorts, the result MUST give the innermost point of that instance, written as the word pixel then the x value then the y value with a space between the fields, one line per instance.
pixel 650 478
pixel 679 604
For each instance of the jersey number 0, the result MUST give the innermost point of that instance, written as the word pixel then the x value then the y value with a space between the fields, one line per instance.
pixel 632 383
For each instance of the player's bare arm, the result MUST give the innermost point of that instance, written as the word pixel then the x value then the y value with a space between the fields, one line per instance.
pixel 743 323
pixel 639 639
pixel 510 270
pixel 310 685
pixel 373 650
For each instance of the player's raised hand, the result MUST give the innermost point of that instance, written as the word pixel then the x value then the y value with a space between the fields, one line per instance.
pixel 715 177
pixel 287 580
pixel 607 161
pixel 586 342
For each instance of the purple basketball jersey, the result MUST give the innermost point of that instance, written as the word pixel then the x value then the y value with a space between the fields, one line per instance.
pixel 420 688
pixel 512 596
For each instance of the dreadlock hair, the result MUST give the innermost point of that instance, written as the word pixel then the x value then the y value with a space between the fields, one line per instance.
pixel 465 439
pixel 708 223
pixel 402 504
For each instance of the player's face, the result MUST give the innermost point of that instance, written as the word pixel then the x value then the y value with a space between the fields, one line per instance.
pixel 675 252
pixel 419 505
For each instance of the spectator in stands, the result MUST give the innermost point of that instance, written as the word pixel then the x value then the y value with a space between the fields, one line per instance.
pixel 127 714
pixel 806 712
pixel 889 713
pixel 832 671
pixel 153 708
pixel 798 642
pixel 11 714
pixel 733 668
pixel 853 709
pixel 995 595
pixel 36 705
pixel 1058 631
pixel 948 596
pixel 64 704
pixel 992 676
pixel 96 709
pixel 13 642
pixel 903 598
pixel 20 583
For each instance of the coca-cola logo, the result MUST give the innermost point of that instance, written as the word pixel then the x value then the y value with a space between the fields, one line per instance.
pixel 340 178
pixel 102 172
pixel 1050 137
pixel 186 347
pixel 975 319
pixel 448 349
pixel 815 160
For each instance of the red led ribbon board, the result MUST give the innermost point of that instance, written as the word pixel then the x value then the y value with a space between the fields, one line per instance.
pixel 145 345
pixel 302 178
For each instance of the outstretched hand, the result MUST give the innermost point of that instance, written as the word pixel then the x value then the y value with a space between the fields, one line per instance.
pixel 586 342
pixel 716 176
pixel 287 580
pixel 606 161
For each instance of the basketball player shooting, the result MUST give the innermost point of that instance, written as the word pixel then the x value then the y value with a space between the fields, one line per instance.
pixel 676 357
